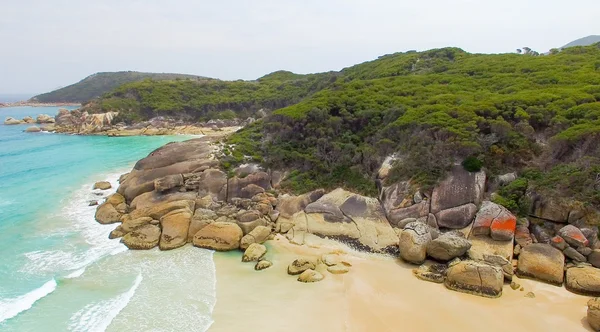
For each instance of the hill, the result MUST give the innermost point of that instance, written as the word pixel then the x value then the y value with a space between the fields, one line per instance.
pixel 537 115
pixel 585 41
pixel 98 84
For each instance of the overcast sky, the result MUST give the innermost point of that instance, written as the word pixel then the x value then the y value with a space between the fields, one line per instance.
pixel 46 44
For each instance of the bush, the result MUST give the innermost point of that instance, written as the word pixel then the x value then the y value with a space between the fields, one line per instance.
pixel 472 164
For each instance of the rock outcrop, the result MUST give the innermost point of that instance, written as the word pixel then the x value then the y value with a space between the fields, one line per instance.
pixel 144 237
pixel 542 262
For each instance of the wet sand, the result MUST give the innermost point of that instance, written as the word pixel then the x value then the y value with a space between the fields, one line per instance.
pixel 378 294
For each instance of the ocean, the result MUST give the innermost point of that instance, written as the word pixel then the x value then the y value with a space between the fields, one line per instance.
pixel 60 272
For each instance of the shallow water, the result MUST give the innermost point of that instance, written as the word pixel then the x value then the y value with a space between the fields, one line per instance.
pixel 60 272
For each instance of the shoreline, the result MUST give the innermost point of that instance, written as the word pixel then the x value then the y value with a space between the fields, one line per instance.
pixel 379 293
pixel 31 104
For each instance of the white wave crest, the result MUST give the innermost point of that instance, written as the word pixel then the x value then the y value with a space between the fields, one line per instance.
pixel 10 308
pixel 93 236
pixel 98 316
pixel 75 274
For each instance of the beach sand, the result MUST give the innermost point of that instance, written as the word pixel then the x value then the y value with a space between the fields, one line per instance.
pixel 378 294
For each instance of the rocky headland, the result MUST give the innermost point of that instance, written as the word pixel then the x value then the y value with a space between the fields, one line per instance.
pixel 454 234
pixel 36 104
pixel 80 122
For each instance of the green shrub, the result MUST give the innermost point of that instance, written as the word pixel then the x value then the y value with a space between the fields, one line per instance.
pixel 472 164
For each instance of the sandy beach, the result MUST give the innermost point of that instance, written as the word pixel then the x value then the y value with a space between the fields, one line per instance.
pixel 378 294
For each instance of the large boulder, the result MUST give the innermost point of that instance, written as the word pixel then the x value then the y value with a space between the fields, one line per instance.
pixel 542 262
pixel 173 158
pixel 355 219
pixel 248 186
pixel 102 185
pixel 145 237
pixel 593 314
pixel 456 217
pixel 459 188
pixel 290 205
pixel 551 209
pixel 448 246
pixel 300 265
pixel 202 217
pixel 213 182
pixel 475 278
pixel 310 276
pixel 594 258
pixel 175 226
pixel 583 280
pixel 159 210
pixel 220 236
pixel 395 216
pixel 12 121
pixel 168 182
pixel 44 118
pixel 414 239
pixel 129 225
pixel 249 220
pixel 33 129
pixel 152 198
pixel 107 214
pixel 258 235
pixel 573 236
pixel 254 253
pixel 540 234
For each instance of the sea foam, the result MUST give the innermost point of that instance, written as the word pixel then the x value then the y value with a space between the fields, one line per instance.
pixel 10 308
pixel 80 217
pixel 98 316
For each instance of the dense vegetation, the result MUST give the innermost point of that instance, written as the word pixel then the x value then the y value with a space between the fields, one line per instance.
pixel 538 115
pixel 98 84
pixel 208 99
pixel 441 107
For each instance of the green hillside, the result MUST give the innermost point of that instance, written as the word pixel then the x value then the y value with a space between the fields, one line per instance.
pixel 538 115
pixel 98 84
pixel 208 99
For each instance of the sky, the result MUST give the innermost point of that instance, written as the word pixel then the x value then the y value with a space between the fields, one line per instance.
pixel 47 44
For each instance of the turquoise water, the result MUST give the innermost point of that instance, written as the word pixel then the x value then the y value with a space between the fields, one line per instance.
pixel 60 272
